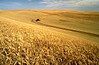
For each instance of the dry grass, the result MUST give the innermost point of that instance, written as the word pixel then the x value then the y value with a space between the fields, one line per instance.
pixel 31 44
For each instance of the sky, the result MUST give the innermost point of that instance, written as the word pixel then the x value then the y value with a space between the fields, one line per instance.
pixel 50 4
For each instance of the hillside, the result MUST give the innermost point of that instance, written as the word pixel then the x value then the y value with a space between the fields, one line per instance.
pixel 70 22
pixel 23 42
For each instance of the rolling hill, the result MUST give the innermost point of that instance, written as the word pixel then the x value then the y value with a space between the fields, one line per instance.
pixel 60 38
pixel 72 22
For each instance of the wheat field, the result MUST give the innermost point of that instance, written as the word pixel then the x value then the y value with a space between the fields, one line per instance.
pixel 23 42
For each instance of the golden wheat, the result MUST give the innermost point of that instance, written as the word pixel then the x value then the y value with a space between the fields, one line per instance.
pixel 31 44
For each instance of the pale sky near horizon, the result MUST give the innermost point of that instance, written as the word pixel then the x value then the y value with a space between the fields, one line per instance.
pixel 50 4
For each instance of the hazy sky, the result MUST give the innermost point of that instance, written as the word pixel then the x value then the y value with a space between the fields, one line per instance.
pixel 50 4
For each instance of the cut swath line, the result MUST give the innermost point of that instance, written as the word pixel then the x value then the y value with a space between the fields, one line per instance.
pixel 83 32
